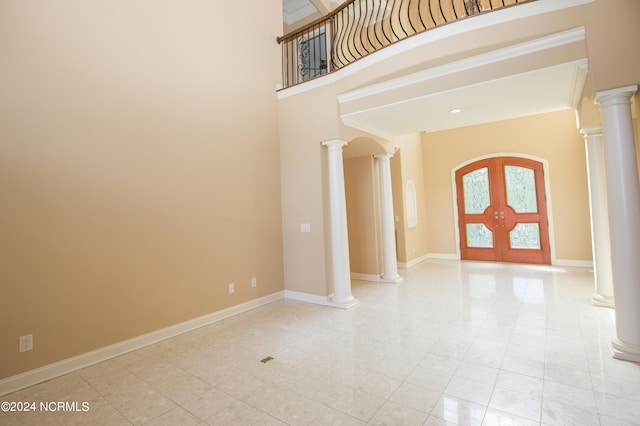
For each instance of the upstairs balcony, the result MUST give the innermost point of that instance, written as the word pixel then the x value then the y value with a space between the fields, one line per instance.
pixel 360 27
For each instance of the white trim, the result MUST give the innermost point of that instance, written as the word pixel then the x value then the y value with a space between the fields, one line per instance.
pixel 459 27
pixel 413 262
pixel 346 118
pixel 443 256
pixel 47 372
pixel 577 85
pixel 426 257
pixel 547 188
pixel 544 43
pixel 411 204
pixel 317 299
pixel 573 263
pixel 368 129
pixel 365 277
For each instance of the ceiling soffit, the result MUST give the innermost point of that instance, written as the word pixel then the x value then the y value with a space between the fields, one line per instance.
pixel 538 76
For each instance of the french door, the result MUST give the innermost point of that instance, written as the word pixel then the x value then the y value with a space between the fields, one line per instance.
pixel 502 212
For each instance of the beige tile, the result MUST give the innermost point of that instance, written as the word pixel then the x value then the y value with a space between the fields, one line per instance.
pixel 332 417
pixel 377 384
pixel 495 417
pixel 100 412
pixel 208 404
pixel 527 385
pixel 478 373
pixel 430 379
pixel 296 410
pixel 392 413
pixel 239 413
pixel 356 403
pixel 177 416
pixel 469 390
pixel 559 413
pixel 569 395
pixel 516 403
pixel 459 411
pixel 415 397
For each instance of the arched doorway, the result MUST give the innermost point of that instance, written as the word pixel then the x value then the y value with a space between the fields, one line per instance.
pixel 502 211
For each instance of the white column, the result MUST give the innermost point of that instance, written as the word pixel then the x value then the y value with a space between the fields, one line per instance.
pixel 600 241
pixel 389 256
pixel 623 192
pixel 339 237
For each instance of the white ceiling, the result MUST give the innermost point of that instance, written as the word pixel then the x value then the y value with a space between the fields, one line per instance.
pixel 535 92
pixel 534 77
pixel 295 10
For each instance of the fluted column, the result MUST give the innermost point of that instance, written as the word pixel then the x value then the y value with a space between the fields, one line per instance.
pixel 389 256
pixel 623 192
pixel 600 240
pixel 339 237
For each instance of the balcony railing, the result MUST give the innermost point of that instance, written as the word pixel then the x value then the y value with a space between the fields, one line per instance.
pixel 360 27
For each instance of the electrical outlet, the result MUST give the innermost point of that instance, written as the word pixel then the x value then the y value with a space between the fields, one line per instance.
pixel 254 282
pixel 232 288
pixel 26 343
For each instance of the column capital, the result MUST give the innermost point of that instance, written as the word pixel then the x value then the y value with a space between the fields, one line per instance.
pixel 591 131
pixel 616 96
pixel 383 156
pixel 334 144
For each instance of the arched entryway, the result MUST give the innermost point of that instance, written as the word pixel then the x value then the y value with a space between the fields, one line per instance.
pixel 502 210
pixel 372 246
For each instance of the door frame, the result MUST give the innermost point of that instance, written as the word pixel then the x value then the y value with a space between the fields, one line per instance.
pixel 547 188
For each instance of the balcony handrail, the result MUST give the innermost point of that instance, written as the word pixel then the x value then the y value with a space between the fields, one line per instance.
pixel 358 28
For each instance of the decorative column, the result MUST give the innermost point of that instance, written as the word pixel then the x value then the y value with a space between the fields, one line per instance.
pixel 389 257
pixel 623 192
pixel 341 297
pixel 600 240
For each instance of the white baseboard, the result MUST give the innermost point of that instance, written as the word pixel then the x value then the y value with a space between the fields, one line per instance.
pixel 443 256
pixel 47 372
pixel 365 277
pixel 306 297
pixel 317 299
pixel 573 263
pixel 414 262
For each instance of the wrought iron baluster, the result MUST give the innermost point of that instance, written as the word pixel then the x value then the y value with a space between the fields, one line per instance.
pixel 360 27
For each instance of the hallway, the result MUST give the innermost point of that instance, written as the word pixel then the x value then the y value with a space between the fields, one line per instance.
pixel 465 342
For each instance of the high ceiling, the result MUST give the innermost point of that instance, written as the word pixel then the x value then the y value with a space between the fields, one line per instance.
pixel 295 10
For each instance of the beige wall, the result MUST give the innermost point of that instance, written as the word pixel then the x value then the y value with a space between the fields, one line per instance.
pixel 139 168
pixel 305 121
pixel 612 33
pixel 412 242
pixel 361 191
pixel 552 137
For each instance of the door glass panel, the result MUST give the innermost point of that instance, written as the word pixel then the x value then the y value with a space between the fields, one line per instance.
pixel 479 235
pixel 525 236
pixel 521 189
pixel 476 191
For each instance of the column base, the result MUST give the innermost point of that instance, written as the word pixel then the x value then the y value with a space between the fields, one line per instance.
pixel 602 301
pixel 342 304
pixel 392 280
pixel 625 351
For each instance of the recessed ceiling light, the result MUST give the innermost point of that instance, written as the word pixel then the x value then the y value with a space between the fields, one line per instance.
pixel 455 110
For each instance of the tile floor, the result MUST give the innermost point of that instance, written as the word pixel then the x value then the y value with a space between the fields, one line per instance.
pixel 458 343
